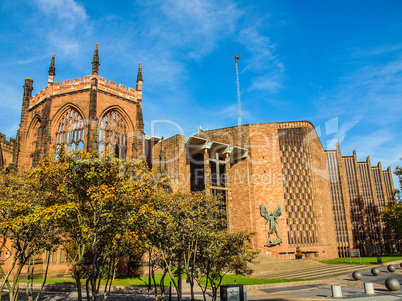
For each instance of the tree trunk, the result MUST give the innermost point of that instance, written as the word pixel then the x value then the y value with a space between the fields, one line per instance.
pixel 179 281
pixel 77 277
pixel 89 298
pixel 16 281
pixel 192 289
pixel 5 277
pixel 44 280
pixel 30 272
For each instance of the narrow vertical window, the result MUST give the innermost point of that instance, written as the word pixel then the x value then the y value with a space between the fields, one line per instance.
pixel 113 134
pixel 33 139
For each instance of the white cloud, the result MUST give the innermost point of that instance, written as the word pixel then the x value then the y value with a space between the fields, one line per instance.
pixel 228 111
pixel 261 49
pixel 358 53
pixel 381 145
pixel 374 78
pixel 66 9
pixel 199 25
pixel 62 27
pixel 367 100
pixel 67 46
pixel 271 84
pixel 262 61
pixel 167 35
pixel 372 85
pixel 163 71
pixel 345 127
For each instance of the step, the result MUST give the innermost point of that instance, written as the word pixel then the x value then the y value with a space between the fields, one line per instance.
pixel 319 272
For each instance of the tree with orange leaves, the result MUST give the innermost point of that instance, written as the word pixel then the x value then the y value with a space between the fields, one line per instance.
pixel 26 231
pixel 107 204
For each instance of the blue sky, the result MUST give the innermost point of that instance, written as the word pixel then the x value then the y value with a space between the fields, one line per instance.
pixel 335 63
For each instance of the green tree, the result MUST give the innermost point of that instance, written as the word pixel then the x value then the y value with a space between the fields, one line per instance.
pixel 223 252
pixel 190 235
pixel 392 214
pixel 109 203
pixel 26 229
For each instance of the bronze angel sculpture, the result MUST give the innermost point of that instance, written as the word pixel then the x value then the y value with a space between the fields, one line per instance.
pixel 271 218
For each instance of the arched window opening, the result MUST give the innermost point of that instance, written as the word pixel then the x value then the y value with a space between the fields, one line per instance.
pixel 113 134
pixel 33 139
pixel 70 131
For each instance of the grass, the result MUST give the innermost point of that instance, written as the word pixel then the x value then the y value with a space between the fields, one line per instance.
pixel 365 260
pixel 228 279
pixel 55 280
pixel 118 281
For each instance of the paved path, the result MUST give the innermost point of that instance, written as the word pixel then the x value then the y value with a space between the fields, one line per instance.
pixel 321 289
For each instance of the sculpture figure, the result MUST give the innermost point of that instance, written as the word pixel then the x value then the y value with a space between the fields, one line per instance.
pixel 271 218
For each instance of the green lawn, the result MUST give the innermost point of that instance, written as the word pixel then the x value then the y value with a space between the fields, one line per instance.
pixel 118 281
pixel 228 279
pixel 54 280
pixel 365 260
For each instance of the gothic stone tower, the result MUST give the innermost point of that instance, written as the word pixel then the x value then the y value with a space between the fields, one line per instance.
pixel 83 114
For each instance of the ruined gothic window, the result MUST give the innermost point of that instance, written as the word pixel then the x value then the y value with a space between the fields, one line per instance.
pixel 33 139
pixel 113 134
pixel 70 130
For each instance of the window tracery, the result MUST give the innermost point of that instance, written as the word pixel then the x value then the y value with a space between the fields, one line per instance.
pixel 113 134
pixel 33 138
pixel 70 130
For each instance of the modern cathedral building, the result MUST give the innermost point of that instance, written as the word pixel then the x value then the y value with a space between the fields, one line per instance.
pixel 275 179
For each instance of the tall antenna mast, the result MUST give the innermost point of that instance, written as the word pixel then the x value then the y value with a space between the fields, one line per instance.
pixel 236 57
